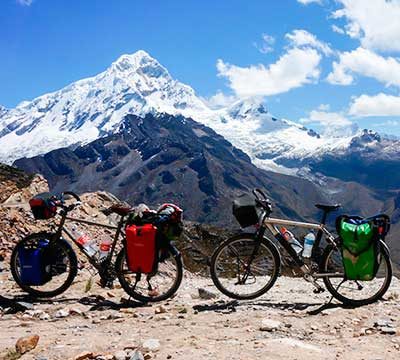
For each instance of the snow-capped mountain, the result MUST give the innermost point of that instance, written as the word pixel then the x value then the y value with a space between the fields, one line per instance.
pixel 89 108
pixel 138 84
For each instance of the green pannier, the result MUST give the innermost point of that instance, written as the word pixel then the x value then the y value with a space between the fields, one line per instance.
pixel 360 244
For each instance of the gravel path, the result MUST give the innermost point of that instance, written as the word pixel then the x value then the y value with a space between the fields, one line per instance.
pixel 289 322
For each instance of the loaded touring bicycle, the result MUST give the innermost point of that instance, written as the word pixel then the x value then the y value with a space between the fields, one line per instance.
pixel 354 266
pixel 146 263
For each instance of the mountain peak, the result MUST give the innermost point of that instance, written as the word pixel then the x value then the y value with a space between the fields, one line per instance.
pixel 139 61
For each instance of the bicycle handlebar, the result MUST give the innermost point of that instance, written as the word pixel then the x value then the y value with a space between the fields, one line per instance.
pixel 259 194
pixel 261 199
pixel 72 206
pixel 77 198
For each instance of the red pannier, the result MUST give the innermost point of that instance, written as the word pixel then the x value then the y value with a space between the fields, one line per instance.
pixel 141 247
pixel 43 206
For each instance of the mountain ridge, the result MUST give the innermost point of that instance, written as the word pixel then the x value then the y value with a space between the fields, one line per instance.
pixel 138 84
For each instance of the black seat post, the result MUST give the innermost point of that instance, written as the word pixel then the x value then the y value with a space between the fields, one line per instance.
pixel 324 216
pixel 319 234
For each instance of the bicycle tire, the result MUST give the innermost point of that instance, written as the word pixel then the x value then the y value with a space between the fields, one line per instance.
pixel 275 272
pixel 63 245
pixel 358 302
pixel 121 261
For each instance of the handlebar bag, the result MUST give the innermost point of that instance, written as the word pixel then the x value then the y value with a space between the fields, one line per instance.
pixel 141 250
pixel 43 206
pixel 360 247
pixel 245 210
pixel 35 269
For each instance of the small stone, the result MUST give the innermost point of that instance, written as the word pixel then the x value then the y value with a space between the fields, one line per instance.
pixel 383 323
pixel 151 344
pixel 120 355
pixel 160 310
pixel 206 294
pixel 75 311
pixel 388 330
pixel 147 356
pixel 44 316
pixel 136 355
pixel 84 355
pixel 61 313
pixel 270 325
pixel 26 344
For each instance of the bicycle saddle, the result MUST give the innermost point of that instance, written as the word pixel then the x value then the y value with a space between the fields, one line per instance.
pixel 328 208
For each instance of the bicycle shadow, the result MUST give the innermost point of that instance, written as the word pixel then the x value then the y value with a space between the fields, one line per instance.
pixel 232 306
pixel 21 303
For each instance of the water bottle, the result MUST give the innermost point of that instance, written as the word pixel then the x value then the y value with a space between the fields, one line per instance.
pixel 105 247
pixel 290 238
pixel 309 240
pixel 88 244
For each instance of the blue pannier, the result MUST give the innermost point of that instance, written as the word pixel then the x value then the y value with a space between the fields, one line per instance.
pixel 35 269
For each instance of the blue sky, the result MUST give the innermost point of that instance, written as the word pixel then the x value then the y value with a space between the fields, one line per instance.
pixel 321 62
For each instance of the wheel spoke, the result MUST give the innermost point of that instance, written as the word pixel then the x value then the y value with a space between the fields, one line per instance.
pixel 243 268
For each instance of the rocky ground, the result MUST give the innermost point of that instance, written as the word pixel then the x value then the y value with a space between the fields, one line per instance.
pixel 288 322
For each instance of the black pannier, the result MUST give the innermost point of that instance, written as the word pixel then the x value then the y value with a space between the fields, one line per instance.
pixel 246 211
pixel 43 206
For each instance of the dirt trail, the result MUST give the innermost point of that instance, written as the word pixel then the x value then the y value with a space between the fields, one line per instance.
pixel 187 327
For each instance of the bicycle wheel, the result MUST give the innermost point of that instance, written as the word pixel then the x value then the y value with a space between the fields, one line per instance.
pixel 60 265
pixel 236 275
pixel 151 287
pixel 351 292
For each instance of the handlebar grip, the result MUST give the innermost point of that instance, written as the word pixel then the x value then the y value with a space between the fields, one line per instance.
pixel 77 198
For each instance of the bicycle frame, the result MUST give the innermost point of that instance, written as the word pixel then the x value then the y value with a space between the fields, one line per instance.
pixel 93 261
pixel 271 224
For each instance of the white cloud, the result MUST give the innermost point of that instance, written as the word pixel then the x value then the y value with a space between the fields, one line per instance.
pixel 25 2
pixel 367 63
pixel 337 29
pixel 374 22
pixel 333 123
pixel 220 100
pixel 326 118
pixel 324 107
pixel 387 123
pixel 377 105
pixel 267 44
pixel 300 38
pixel 306 2
pixel 293 69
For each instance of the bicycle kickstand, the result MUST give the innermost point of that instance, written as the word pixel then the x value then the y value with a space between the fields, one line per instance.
pixel 318 288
